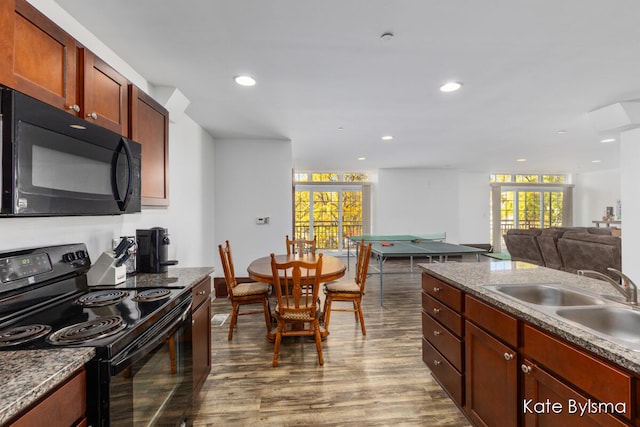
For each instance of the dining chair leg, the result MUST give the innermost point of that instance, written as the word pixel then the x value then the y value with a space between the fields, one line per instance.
pixel 318 342
pixel 267 313
pixel 234 318
pixel 361 314
pixel 276 345
pixel 355 310
pixel 327 312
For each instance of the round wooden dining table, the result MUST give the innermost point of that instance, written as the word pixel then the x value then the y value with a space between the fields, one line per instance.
pixel 332 269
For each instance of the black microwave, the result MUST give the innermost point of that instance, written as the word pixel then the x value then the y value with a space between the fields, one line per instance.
pixel 56 164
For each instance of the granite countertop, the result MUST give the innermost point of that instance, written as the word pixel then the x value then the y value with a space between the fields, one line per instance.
pixel 28 375
pixel 472 277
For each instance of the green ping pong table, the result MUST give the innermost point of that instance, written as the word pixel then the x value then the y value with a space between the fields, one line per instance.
pixel 417 248
pixel 439 237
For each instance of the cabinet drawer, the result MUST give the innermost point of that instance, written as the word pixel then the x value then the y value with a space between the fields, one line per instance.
pixel 443 292
pixel 65 406
pixel 442 313
pixel 580 369
pixel 443 340
pixel 496 322
pixel 451 380
pixel 201 292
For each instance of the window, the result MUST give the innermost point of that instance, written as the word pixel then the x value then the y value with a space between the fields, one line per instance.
pixel 529 201
pixel 331 207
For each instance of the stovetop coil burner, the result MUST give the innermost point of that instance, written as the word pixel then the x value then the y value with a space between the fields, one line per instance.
pixel 22 334
pixel 152 295
pixel 101 298
pixel 88 331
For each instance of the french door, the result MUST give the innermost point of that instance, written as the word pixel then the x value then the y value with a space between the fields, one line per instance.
pixel 520 206
pixel 331 214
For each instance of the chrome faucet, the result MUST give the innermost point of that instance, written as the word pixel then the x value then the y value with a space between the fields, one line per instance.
pixel 628 289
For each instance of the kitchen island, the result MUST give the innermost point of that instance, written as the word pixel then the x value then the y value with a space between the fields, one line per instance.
pixel 498 357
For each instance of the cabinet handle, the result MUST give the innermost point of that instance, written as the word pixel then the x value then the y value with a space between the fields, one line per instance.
pixel 93 116
pixel 201 293
pixel 436 310
pixel 526 369
pixel 437 362
pixel 508 356
pixel 436 289
pixel 436 333
pixel 74 107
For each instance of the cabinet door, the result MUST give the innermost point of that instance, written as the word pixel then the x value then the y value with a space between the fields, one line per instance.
pixel 149 125
pixel 491 380
pixel 549 402
pixel 201 335
pixel 105 94
pixel 37 57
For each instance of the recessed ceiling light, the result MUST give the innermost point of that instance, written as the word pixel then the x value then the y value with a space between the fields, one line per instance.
pixel 450 87
pixel 387 36
pixel 362 158
pixel 561 131
pixel 340 128
pixel 604 141
pixel 521 160
pixel 596 161
pixel 387 137
pixel 244 80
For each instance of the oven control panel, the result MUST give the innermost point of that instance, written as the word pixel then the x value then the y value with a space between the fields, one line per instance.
pixel 18 267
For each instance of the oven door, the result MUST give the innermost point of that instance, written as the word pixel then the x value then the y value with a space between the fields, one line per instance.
pixel 151 382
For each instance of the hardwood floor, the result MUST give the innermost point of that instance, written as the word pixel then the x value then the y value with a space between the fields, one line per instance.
pixel 373 380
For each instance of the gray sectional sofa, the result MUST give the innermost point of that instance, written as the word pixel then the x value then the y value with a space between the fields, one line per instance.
pixel 566 248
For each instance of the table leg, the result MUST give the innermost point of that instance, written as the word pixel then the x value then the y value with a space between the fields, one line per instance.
pixel 380 263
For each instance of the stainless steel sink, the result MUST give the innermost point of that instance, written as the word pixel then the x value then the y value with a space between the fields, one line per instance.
pixel 548 295
pixel 616 322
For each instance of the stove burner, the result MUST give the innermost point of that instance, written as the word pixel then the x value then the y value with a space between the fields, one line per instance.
pixel 87 331
pixel 21 334
pixel 152 295
pixel 100 298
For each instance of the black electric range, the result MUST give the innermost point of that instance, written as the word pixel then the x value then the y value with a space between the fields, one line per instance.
pixel 140 334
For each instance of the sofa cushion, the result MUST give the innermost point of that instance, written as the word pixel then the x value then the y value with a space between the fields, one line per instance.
pixel 548 243
pixel 584 251
pixel 523 245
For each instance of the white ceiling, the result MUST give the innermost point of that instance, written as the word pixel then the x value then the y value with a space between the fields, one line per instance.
pixel 529 68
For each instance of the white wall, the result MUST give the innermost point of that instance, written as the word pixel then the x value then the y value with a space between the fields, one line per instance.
pixel 189 219
pixel 474 214
pixel 630 177
pixel 419 201
pixel 592 193
pixel 253 179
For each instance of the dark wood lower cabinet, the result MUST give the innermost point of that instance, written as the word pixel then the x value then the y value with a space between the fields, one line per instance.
pixel 201 333
pixel 548 402
pixel 491 371
pixel 64 406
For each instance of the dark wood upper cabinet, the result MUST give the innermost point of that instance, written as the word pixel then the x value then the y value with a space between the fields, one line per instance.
pixel 149 125
pixel 105 94
pixel 37 57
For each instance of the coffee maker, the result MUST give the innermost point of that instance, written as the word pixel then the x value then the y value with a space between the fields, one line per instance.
pixel 153 249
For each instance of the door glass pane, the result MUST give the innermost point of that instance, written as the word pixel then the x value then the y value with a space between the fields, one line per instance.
pixel 325 219
pixel 528 209
pixel 351 215
pixel 553 201
pixel 302 210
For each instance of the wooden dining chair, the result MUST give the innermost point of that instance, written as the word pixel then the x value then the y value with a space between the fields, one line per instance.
pixel 296 285
pixel 301 246
pixel 349 290
pixel 243 293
